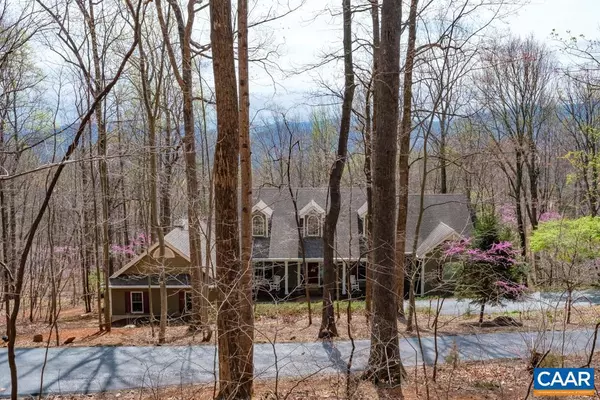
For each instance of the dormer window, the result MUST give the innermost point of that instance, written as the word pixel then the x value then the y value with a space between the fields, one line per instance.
pixel 312 219
pixel 259 225
pixel 312 225
pixel 261 214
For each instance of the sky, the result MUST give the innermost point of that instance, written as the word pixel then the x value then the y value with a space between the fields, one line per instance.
pixel 310 31
pixel 541 16
pixel 300 39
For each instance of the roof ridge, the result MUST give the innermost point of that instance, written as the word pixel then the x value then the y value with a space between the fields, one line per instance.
pixel 259 188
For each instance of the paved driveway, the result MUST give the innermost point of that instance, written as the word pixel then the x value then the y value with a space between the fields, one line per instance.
pixel 538 301
pixel 94 369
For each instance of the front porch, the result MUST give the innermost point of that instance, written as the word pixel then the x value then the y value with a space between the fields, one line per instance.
pixel 288 279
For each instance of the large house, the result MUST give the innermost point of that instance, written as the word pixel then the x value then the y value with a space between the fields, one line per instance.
pixel 287 250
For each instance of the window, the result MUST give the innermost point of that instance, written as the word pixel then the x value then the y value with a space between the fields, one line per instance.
pixel 259 225
pixel 313 225
pixel 137 302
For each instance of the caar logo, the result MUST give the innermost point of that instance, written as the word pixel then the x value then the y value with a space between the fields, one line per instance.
pixel 563 382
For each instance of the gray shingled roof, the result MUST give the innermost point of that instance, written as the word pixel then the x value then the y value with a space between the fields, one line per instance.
pixel 179 238
pixel 450 210
pixel 284 235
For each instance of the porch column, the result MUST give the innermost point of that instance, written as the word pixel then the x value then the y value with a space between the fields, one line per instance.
pixel 110 300
pixel 344 278
pixel 287 291
pixel 422 278
pixel 298 268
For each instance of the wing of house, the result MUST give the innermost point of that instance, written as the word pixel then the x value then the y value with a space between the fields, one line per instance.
pixel 134 289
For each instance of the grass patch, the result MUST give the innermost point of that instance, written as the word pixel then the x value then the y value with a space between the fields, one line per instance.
pixel 300 308
pixel 424 310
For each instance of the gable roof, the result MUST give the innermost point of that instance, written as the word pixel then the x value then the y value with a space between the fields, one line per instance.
pixel 263 208
pixel 310 207
pixel 147 252
pixel 439 235
pixel 178 240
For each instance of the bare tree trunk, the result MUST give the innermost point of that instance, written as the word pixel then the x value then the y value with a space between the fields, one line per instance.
pixel 235 365
pixel 481 313
pixel 98 86
pixel 328 327
pixel 96 238
pixel 368 155
pixel 569 304
pixel 442 155
pixel 199 306
pixel 86 236
pixel 403 159
pixel 125 232
pixel 534 175
pixel 247 312
pixel 304 266
pixel 518 197
pixel 207 204
pixel 415 264
pixel 385 366
pixel 165 187
pixel 7 250
pixel 367 220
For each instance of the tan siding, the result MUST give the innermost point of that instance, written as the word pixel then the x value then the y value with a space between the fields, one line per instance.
pixel 118 301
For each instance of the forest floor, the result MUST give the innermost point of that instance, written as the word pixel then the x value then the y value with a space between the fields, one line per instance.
pixel 288 322
pixel 506 379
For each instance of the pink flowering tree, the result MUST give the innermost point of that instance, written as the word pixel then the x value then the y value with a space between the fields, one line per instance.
pixel 488 271
pixel 136 246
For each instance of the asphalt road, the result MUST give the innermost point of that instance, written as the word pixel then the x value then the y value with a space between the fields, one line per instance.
pixel 95 369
